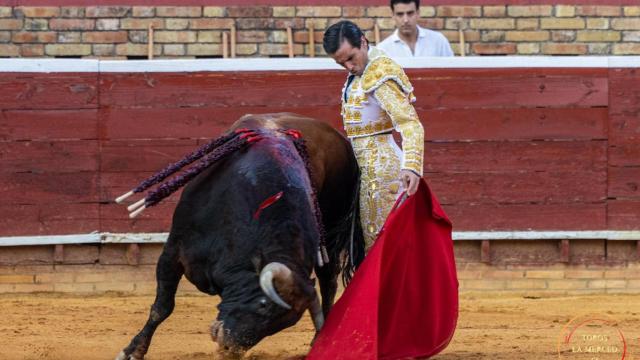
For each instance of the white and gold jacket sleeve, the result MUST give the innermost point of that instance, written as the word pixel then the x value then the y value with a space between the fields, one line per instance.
pixel 389 85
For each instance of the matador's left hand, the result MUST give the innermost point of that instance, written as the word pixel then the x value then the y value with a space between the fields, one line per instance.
pixel 410 181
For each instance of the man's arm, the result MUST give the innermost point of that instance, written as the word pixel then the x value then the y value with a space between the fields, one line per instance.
pixel 405 120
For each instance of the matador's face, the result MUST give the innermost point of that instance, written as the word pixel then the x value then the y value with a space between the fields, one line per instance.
pixel 352 58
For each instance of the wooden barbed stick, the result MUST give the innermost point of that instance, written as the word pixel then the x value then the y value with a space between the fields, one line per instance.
pixel 135 205
pixel 137 212
pixel 122 198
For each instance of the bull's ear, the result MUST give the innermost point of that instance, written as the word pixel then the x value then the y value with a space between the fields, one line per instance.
pixel 257 263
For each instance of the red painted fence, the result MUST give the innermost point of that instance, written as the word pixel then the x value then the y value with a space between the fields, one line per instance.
pixel 507 149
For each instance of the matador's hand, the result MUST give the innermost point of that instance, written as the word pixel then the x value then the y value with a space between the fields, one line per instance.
pixel 410 181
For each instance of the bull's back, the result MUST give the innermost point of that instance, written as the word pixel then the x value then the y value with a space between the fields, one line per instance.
pixel 215 222
pixel 330 152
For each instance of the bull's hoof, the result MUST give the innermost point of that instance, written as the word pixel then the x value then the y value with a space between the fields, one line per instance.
pixel 123 356
pixel 217 331
pixel 315 336
pixel 228 354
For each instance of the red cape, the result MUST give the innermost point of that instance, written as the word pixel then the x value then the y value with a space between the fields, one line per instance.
pixel 403 299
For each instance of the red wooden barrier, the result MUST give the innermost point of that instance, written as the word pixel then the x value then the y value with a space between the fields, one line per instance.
pixel 49 91
pixel 623 211
pixel 507 149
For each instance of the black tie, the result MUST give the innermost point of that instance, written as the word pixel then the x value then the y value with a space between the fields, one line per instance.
pixel 346 89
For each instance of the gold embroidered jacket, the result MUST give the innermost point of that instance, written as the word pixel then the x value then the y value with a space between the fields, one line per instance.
pixel 380 101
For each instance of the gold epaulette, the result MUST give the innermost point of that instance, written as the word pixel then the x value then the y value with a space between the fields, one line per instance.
pixel 381 69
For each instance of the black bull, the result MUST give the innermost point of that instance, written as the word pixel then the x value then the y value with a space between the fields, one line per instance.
pixel 260 264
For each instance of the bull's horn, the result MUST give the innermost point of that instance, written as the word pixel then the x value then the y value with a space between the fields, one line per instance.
pixel 269 272
pixel 316 314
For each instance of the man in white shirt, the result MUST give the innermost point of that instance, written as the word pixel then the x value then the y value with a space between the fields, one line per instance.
pixel 409 39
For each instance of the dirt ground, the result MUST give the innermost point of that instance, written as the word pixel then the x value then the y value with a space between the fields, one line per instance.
pixel 97 327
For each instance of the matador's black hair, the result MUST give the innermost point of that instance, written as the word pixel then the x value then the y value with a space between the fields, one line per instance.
pixel 340 31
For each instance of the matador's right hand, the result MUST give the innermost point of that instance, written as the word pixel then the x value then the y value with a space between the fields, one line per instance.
pixel 410 181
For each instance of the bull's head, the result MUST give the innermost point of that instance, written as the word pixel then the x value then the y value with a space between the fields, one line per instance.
pixel 256 309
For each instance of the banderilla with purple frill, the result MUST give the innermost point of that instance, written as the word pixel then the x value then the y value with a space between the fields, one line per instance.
pixel 210 153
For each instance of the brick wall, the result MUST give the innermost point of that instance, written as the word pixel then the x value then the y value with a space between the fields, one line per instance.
pixel 196 31
pixel 81 269
pixel 531 272
pixel 537 267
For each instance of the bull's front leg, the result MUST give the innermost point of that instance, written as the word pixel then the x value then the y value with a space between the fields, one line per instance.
pixel 328 280
pixel 168 274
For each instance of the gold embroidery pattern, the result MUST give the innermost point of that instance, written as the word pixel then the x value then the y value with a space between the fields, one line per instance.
pixel 382 69
pixel 379 160
pixel 405 119
pixel 369 129
pixel 350 109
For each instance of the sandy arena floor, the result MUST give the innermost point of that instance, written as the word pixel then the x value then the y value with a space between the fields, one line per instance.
pixel 98 327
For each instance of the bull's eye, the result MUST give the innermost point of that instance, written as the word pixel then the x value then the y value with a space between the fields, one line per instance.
pixel 263 302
